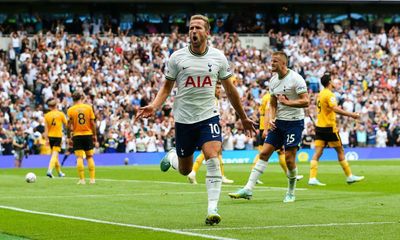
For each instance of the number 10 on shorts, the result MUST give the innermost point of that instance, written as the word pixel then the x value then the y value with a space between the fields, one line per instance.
pixel 214 128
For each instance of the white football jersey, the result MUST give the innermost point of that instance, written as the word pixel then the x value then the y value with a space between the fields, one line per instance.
pixel 196 77
pixel 292 85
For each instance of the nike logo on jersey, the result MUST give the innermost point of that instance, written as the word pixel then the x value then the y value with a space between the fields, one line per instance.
pixel 183 68
pixel 214 136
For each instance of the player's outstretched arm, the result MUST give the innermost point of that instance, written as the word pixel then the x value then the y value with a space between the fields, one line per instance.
pixel 234 98
pixel 162 95
pixel 340 111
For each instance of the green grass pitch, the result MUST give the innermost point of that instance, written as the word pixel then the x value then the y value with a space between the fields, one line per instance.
pixel 140 202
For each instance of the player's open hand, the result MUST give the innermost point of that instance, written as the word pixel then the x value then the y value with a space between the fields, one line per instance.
pixel 356 115
pixel 145 112
pixel 272 125
pixel 248 125
pixel 265 133
pixel 282 98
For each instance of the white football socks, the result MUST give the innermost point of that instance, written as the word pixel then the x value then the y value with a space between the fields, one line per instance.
pixel 213 183
pixel 256 172
pixel 291 174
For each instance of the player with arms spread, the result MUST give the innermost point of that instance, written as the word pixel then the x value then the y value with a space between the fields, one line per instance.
pixel 288 98
pixel 327 132
pixel 82 126
pixel 54 122
pixel 195 70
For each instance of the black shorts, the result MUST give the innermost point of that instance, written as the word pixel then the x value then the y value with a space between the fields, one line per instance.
pixel 84 142
pixel 55 142
pixel 326 134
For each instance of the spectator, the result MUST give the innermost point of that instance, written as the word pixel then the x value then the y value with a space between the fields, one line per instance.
pixel 396 134
pixel 19 145
pixel 111 142
pixel 130 143
pixel 239 140
pixel 151 142
pixel 361 136
pixel 371 135
pixel 169 139
pixel 141 142
pixel 381 137
pixel 160 143
pixel 5 142
pixel 344 134
pixel 228 140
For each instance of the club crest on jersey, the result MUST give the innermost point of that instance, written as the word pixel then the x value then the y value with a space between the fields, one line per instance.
pixel 198 81
pixel 209 67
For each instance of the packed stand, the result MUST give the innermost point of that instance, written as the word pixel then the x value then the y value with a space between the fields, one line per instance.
pixel 121 73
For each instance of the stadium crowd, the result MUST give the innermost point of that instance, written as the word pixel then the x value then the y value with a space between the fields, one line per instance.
pixel 120 73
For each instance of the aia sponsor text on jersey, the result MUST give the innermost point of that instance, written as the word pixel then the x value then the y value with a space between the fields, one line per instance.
pixel 198 81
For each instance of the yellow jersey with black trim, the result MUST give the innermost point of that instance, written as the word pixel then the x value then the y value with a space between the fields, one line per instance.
pixel 326 117
pixel 80 115
pixel 263 109
pixel 54 121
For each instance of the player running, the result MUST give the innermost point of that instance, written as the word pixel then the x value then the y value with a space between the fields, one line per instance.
pixel 195 70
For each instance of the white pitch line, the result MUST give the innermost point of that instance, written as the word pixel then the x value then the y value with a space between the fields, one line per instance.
pixel 116 223
pixel 107 195
pixel 182 183
pixel 288 226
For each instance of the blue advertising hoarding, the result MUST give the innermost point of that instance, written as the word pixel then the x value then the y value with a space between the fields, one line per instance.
pixel 229 157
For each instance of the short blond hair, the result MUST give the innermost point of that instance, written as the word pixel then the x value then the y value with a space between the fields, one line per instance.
pixel 283 55
pixel 202 17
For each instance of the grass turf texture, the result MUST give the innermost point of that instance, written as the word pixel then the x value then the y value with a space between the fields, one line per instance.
pixel 144 196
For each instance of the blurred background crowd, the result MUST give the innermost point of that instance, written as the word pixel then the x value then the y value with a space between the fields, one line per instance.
pixel 121 69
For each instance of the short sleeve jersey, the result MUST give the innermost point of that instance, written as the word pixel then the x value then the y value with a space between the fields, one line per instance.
pixel 54 121
pixel 292 85
pixel 326 116
pixel 196 77
pixel 80 116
